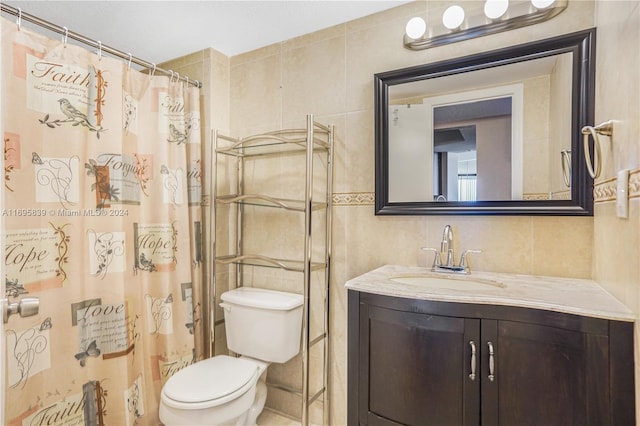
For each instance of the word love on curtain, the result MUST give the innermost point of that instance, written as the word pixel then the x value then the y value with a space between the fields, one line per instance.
pixel 102 222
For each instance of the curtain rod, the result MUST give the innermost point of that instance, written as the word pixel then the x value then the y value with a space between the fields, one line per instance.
pixel 98 45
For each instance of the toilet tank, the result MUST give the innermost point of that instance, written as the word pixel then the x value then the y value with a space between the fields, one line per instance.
pixel 263 324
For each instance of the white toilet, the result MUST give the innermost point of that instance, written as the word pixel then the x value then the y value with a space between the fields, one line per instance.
pixel 263 326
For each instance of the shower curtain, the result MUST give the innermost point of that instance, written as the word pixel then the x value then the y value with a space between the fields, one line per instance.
pixel 102 222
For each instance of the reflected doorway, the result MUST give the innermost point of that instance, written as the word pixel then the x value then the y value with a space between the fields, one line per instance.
pixel 472 146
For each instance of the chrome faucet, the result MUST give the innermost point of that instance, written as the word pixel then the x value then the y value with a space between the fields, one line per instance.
pixel 446 246
pixel 447 249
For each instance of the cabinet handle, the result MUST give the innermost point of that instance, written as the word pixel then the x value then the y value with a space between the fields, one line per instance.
pixel 491 362
pixel 472 376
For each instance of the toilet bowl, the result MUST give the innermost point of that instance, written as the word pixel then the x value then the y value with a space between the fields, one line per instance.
pixel 222 390
pixel 263 326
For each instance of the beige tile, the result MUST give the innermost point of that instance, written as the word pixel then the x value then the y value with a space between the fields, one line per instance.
pixel 258 54
pixel 186 60
pixel 314 37
pixel 505 241
pixel 313 79
pixel 404 12
pixel 338 354
pixel 255 94
pixel 358 154
pixel 563 246
pixel 617 251
pixel 219 79
pixel 373 241
pixel 616 240
pixel 193 70
pixel 617 87
pixel 372 50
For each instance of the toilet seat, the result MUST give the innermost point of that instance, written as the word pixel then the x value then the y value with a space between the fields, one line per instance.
pixel 210 382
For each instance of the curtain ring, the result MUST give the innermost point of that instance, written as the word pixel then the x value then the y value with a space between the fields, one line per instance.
pixel 153 71
pixel 177 77
pixel 65 36
pixel 129 63
pixel 99 50
pixel 19 19
pixel 187 78
pixel 171 77
pixel 197 84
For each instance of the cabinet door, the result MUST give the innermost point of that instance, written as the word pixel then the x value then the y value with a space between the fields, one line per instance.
pixel 414 368
pixel 543 375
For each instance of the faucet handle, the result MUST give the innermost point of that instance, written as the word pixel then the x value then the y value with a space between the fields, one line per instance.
pixel 463 257
pixel 436 259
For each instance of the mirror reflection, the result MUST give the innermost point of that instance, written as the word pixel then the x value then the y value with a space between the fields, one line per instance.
pixel 495 134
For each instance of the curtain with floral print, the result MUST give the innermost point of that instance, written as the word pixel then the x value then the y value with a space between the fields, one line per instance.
pixel 102 222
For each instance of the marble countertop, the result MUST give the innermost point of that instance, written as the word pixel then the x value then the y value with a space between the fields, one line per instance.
pixel 567 295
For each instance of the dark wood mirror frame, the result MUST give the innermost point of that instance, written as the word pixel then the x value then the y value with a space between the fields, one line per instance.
pixel 581 44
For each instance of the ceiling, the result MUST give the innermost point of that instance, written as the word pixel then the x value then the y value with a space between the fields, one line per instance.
pixel 157 31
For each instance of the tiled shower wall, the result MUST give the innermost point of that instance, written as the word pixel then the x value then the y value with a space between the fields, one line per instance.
pixel 330 73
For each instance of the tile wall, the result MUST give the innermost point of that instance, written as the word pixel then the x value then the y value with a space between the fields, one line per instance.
pixel 616 244
pixel 330 73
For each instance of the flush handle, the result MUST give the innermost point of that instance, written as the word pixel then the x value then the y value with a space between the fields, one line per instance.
pixel 472 376
pixel 26 307
pixel 492 377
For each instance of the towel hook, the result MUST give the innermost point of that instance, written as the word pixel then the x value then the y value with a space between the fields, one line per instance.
pixel 65 36
pixel 594 167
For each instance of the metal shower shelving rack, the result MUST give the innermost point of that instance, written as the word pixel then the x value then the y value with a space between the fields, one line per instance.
pixel 316 138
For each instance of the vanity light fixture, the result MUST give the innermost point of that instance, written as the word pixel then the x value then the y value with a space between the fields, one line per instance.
pixel 494 9
pixel 499 15
pixel 453 17
pixel 542 4
pixel 416 27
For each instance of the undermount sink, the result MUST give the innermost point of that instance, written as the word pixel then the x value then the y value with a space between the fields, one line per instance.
pixel 447 282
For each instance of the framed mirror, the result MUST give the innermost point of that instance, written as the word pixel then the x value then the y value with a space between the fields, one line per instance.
pixel 492 133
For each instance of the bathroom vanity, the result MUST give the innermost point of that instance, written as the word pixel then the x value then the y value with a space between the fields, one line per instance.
pixel 490 349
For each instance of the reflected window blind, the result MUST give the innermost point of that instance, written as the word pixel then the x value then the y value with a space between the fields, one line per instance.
pixel 467 187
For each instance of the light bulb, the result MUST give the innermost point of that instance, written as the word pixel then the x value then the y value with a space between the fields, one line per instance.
pixel 416 27
pixel 493 9
pixel 541 4
pixel 453 17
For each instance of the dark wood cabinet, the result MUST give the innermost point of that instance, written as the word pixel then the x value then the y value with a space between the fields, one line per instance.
pixel 418 362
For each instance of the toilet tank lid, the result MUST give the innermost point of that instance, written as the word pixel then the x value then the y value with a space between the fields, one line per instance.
pixel 262 298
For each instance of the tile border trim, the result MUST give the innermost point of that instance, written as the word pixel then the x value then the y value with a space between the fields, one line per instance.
pixel 353 198
pixel 603 191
